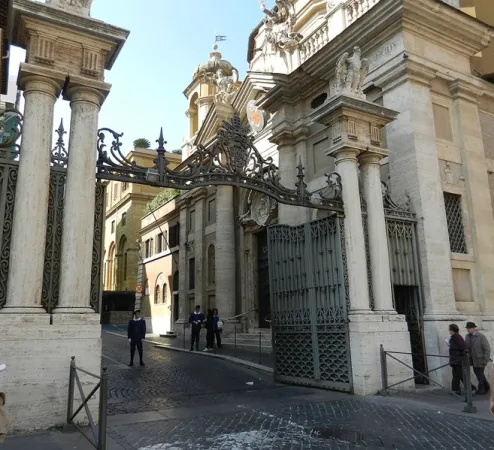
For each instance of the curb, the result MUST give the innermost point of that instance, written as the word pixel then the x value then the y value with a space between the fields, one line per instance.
pixel 238 361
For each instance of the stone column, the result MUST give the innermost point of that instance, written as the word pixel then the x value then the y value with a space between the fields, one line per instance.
pixel 182 267
pixel 346 166
pixel 225 252
pixel 378 240
pixel 200 297
pixel 78 229
pixel 27 249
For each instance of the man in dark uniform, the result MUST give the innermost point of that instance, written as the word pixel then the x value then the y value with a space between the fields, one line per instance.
pixel 136 332
pixel 196 320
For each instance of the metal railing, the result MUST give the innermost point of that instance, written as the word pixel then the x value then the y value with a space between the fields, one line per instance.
pixel 465 362
pixel 98 433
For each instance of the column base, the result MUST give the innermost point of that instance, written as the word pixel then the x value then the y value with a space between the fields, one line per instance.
pixel 22 310
pixel 367 334
pixel 39 357
pixel 75 310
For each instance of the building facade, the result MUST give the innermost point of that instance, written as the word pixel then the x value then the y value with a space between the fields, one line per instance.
pixel 439 163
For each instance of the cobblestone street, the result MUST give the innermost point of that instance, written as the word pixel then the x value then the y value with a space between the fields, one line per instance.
pixel 183 401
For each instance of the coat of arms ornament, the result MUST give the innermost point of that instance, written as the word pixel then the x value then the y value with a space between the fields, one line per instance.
pixel 255 116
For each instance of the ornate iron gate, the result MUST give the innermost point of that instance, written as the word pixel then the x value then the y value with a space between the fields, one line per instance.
pixel 405 274
pixel 309 291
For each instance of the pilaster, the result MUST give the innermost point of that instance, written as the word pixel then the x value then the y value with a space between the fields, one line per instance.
pixel 183 266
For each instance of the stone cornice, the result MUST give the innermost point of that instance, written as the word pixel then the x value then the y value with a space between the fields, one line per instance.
pixel 288 134
pixel 462 90
pixel 404 70
pixel 96 29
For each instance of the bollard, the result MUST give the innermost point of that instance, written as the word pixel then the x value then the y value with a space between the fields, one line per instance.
pixel 260 348
pixel 70 404
pixel 103 409
pixel 467 382
pixel 384 372
pixel 185 347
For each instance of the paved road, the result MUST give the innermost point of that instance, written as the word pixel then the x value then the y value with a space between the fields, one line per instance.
pixel 182 401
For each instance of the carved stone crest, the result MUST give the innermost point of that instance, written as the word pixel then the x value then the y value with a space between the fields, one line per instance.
pixel 350 74
pixel 81 7
pixel 261 206
pixel 255 116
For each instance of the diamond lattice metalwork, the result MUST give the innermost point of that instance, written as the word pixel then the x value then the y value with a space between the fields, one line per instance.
pixel 454 217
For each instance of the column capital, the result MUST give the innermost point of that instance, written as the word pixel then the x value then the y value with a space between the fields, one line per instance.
pixel 462 90
pixel 39 79
pixel 289 136
pixel 346 154
pixel 96 95
pixel 371 158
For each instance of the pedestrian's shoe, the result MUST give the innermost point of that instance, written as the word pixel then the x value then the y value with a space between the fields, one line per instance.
pixel 206 349
pixel 191 349
pixel 142 364
pixel 131 364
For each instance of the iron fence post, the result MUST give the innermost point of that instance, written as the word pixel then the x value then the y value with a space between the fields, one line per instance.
pixel 384 372
pixel 469 407
pixel 70 403
pixel 103 407
pixel 260 348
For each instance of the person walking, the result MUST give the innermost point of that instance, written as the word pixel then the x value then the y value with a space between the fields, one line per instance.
pixel 209 331
pixel 196 319
pixel 480 354
pixel 217 327
pixel 456 351
pixel 136 333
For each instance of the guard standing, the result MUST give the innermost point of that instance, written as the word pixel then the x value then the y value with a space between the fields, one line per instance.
pixel 136 332
pixel 196 320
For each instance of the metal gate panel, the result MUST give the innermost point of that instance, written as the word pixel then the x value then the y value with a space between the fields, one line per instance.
pixel 309 305
pixel 99 217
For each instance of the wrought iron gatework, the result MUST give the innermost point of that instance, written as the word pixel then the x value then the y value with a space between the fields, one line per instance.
pixel 53 246
pixel 11 122
pixel 405 272
pixel 231 159
pixel 308 285
pixel 99 218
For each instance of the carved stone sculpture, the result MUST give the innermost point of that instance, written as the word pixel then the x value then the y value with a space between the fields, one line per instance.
pixel 81 7
pixel 279 24
pixel 350 74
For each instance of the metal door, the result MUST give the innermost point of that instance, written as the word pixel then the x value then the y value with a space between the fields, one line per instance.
pixel 308 285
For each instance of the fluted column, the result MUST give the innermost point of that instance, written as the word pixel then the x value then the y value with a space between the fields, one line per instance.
pixel 78 217
pixel 225 252
pixel 346 166
pixel 27 249
pixel 378 241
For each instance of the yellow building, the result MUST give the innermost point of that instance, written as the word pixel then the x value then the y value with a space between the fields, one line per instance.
pixel 125 206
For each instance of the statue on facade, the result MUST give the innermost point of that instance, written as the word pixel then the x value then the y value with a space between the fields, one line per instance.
pixel 350 74
pixel 279 24
pixel 225 87
pixel 82 7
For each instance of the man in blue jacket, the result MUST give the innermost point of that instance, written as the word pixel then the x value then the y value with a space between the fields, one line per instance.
pixel 136 332
pixel 196 320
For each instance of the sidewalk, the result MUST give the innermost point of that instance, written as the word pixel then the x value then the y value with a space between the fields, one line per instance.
pixel 252 356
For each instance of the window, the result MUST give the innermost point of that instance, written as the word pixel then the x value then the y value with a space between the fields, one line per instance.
pixel 115 191
pixel 165 293
pixel 211 266
pixel 175 235
pixel 165 241
pixel 212 210
pixel 159 243
pixel 113 226
pixel 125 186
pixel 192 221
pixel 147 248
pixel 192 273
pixel 151 247
pixel 454 217
pixel 124 219
pixel 157 295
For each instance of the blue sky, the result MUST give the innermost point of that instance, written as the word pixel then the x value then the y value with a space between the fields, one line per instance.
pixel 168 39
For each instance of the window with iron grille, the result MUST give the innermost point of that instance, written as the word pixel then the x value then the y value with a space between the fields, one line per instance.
pixel 174 235
pixel 456 228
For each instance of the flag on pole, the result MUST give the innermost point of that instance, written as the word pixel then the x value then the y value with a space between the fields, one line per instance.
pixel 220 38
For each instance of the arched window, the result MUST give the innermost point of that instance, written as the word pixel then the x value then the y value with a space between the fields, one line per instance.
pixel 110 275
pixel 165 293
pixel 211 266
pixel 157 295
pixel 122 253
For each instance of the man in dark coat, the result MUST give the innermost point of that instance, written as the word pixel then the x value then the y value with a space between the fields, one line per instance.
pixel 480 354
pixel 196 320
pixel 456 351
pixel 136 333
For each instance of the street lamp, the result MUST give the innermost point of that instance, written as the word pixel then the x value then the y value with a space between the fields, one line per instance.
pixel 152 175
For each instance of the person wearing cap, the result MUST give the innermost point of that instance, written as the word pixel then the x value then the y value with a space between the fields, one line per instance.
pixel 136 333
pixel 480 354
